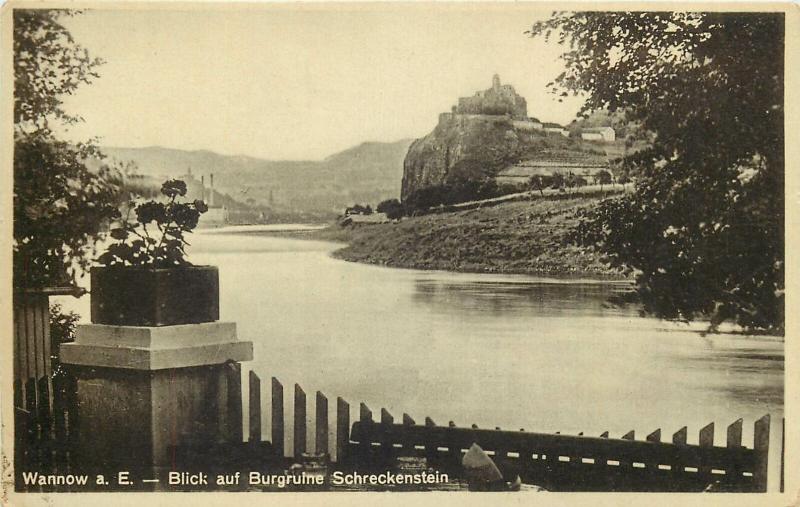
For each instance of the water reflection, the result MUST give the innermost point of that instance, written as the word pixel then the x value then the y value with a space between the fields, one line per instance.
pixel 542 298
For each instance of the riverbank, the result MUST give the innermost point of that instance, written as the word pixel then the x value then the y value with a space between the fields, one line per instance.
pixel 511 238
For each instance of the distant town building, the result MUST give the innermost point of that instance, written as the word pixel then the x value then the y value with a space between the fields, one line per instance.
pixel 374 218
pixel 555 128
pixel 358 209
pixel 217 215
pixel 363 219
pixel 606 134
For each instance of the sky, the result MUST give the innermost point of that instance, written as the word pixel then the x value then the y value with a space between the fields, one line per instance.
pixel 301 81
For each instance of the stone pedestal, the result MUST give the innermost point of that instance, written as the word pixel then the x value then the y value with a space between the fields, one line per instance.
pixel 141 391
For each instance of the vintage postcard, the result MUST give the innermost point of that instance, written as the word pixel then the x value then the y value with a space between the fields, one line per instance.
pixel 424 249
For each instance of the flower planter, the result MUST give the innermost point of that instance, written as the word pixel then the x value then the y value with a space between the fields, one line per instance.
pixel 139 296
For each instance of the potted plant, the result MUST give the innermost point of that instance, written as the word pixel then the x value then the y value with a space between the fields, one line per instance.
pixel 144 278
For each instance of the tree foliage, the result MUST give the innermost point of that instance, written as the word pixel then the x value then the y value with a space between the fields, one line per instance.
pixel 461 190
pixel 62 330
pixel 602 177
pixel 703 229
pixel 539 182
pixel 61 206
pixel 358 209
pixel 48 64
pixel 392 207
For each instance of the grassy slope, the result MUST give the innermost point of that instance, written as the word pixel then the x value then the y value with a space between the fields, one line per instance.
pixel 518 237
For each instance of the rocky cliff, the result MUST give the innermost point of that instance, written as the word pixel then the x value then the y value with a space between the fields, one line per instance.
pixel 464 146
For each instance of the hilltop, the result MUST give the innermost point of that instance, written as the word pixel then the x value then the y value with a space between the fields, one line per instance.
pixel 487 133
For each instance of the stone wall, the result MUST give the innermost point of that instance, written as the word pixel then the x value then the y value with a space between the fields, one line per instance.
pixel 527 125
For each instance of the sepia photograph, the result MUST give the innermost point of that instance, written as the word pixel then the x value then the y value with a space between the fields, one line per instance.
pixel 394 247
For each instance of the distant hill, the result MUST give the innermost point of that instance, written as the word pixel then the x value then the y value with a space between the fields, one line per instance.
pixel 308 189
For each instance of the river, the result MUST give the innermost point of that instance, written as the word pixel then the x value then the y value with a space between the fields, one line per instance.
pixel 508 351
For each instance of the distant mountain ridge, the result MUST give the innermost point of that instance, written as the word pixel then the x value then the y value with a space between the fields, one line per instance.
pixel 367 173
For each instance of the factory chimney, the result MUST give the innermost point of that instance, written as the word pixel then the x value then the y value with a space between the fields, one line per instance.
pixel 211 191
pixel 203 187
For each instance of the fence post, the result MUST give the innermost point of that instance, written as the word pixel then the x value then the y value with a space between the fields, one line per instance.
pixel 408 445
pixel 367 431
pixel 234 382
pixel 454 450
pixel 706 437
pixel 733 472
pixel 761 448
pixel 321 427
pixel 430 445
pixel 364 413
pixel 299 421
pixel 734 436
pixel 277 417
pixel 386 445
pixel 679 437
pixel 255 407
pixel 342 429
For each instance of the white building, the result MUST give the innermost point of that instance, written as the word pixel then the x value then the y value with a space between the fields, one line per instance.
pixel 555 128
pixel 605 134
pixel 217 215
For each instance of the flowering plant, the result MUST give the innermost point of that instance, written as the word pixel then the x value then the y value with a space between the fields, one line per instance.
pixel 160 246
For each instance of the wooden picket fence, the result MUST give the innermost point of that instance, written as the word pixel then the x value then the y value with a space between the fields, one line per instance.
pixel 253 449
pixel 575 463
pixel 554 461
pixel 45 413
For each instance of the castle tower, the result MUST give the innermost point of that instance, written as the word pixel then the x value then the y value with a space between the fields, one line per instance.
pixel 496 82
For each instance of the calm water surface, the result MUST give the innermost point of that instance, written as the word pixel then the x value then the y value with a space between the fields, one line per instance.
pixel 508 351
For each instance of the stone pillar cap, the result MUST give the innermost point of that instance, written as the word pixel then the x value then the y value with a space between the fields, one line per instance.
pixel 155 348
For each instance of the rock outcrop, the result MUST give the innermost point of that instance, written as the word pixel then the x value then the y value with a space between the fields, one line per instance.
pixel 483 135
pixel 463 147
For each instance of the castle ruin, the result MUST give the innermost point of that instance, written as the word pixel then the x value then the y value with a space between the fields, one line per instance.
pixel 500 99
